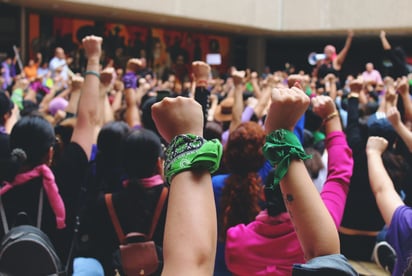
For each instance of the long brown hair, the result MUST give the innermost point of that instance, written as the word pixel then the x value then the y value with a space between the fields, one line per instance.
pixel 243 157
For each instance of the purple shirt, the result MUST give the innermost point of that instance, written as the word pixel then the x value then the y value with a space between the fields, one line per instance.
pixel 399 235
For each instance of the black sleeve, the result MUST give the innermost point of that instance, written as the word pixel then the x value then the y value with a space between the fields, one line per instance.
pixel 353 128
pixel 202 97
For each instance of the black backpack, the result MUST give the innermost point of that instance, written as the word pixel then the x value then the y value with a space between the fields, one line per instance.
pixel 27 250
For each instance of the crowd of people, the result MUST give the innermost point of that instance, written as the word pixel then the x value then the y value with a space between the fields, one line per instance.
pixel 266 173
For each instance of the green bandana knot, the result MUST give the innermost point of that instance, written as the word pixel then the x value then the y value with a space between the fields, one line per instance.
pixel 281 146
pixel 189 151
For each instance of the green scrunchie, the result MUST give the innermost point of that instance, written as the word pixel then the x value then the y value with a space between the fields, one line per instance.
pixel 189 151
pixel 281 146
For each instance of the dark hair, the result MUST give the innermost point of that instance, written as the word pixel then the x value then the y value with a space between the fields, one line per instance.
pixel 141 150
pixel 398 169
pixel 213 130
pixel 314 164
pixel 147 119
pixel 34 135
pixel 243 157
pixel 109 155
pixel 109 141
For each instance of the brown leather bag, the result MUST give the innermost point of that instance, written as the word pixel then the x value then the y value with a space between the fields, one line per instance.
pixel 137 251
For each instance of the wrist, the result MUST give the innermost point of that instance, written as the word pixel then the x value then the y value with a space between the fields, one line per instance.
pixel 201 83
pixel 191 152
pixel 373 153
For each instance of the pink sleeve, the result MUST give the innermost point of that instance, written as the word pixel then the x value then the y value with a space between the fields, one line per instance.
pixel 340 167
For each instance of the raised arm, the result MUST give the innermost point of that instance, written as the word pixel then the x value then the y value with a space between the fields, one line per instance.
pixel 106 80
pixel 201 72
pixel 313 224
pixel 403 89
pixel 130 84
pixel 387 199
pixel 237 109
pixel 340 59
pixel 340 161
pixel 88 110
pixel 189 246
pixel 385 43
pixel 394 118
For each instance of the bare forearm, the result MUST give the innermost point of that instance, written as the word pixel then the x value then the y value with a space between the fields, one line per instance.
pixel 405 134
pixel 88 110
pixel 386 196
pixel 190 233
pixel 237 108
pixel 132 113
pixel 308 213
pixel 407 105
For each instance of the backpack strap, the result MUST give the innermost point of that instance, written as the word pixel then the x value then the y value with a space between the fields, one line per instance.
pixel 158 211
pixel 3 217
pixel 39 213
pixel 40 208
pixel 114 218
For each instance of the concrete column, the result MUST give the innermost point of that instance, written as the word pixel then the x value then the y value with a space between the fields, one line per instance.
pixel 256 54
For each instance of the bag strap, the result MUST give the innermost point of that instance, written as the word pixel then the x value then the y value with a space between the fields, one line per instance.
pixel 114 218
pixel 158 211
pixel 156 215
pixel 40 208
pixel 39 213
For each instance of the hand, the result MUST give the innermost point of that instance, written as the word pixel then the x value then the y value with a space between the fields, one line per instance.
pixel 351 33
pixel 391 96
pixel 323 106
pixel 382 34
pixel 92 46
pixel 76 82
pixel 356 86
pixel 393 116
pixel 294 78
pixel 403 86
pixel 287 107
pixel 175 116
pixel 376 145
pixel 106 76
pixel 331 78
pixel 213 98
pixel 201 71
pixel 134 65
pixel 238 77
pixel 254 76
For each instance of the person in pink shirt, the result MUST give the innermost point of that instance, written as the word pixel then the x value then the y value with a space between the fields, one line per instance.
pixel 270 245
pixel 371 75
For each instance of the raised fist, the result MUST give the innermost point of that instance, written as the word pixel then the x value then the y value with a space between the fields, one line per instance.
pixel 92 46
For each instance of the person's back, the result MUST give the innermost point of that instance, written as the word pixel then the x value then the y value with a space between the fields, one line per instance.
pixel 134 204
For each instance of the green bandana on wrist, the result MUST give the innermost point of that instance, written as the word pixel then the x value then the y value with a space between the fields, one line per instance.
pixel 189 151
pixel 281 146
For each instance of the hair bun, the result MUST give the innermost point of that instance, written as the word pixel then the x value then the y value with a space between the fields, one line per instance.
pixel 18 155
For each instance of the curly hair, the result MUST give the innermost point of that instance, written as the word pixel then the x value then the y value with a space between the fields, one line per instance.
pixel 243 156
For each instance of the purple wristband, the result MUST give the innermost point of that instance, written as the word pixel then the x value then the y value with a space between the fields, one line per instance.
pixel 130 80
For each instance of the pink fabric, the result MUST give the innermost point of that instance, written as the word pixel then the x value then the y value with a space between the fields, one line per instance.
pixel 340 167
pixel 49 185
pixel 148 182
pixel 266 246
pixel 269 245
pixel 374 76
